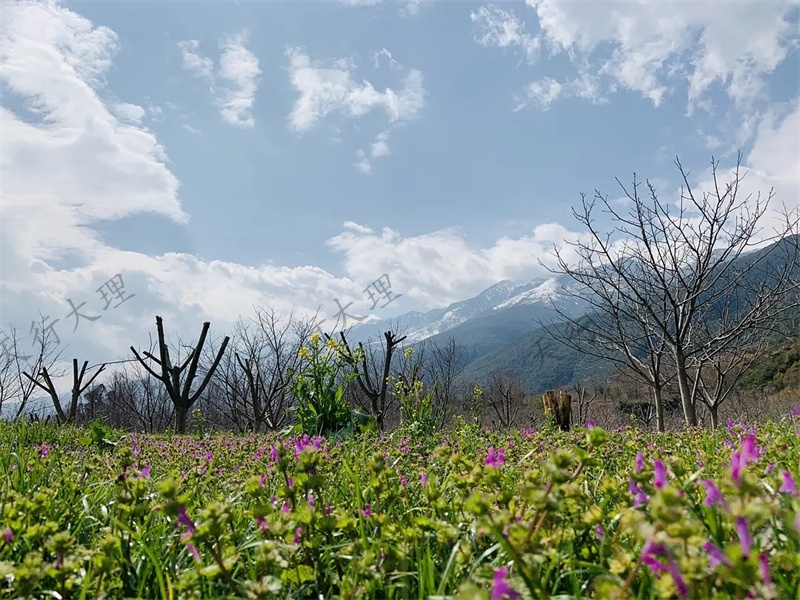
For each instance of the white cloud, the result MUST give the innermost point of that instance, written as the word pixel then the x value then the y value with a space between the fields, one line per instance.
pixel 79 165
pixel 238 67
pixel 409 8
pixel 547 90
pixel 194 62
pixel 330 89
pixel 192 130
pixel 656 47
pixel 129 112
pixel 384 53
pixel 378 149
pixel 503 29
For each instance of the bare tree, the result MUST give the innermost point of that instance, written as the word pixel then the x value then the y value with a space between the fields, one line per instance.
pixel 720 365
pixel 252 385
pixel 170 376
pixel 14 362
pixel 586 393
pixel 78 387
pixel 134 400
pixel 505 396
pixel 443 366
pixel 651 291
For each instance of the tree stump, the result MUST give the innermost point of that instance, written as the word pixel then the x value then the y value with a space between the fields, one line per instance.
pixel 559 407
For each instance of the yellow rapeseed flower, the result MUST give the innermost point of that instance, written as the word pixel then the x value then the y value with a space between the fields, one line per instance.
pixel 303 352
pixel 409 351
pixel 314 337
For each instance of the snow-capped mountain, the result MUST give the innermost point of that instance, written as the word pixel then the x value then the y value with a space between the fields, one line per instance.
pixel 419 326
pixel 547 291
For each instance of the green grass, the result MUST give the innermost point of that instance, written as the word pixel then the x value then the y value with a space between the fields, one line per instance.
pixel 230 517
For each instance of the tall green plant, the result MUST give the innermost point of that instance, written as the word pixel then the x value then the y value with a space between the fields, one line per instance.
pixel 416 406
pixel 319 389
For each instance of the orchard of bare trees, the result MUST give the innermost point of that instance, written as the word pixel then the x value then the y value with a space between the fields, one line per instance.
pixel 684 299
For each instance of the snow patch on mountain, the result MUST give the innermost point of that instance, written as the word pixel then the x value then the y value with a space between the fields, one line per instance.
pixel 547 291
pixel 419 326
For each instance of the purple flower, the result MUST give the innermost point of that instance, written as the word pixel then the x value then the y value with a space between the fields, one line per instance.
pixel 311 501
pixel 209 456
pixel 273 454
pixel 639 497
pixel 424 479
pixel 601 533
pixel 44 450
pixel 789 486
pixel 639 462
pixel 286 508
pixel 739 460
pixel 495 459
pixel 501 588
pixel 145 473
pixel 649 553
pixel 796 411
pixel 659 474
pixel 367 512
pixel 763 563
pixel 297 533
pixel 713 495
pixel 262 480
pixel 328 509
pixel 184 519
pixel 404 481
pixel 194 552
pixel 8 536
pixel 745 540
pixel 715 555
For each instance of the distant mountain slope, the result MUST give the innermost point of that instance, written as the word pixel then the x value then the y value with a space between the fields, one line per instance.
pixel 542 364
pixel 418 326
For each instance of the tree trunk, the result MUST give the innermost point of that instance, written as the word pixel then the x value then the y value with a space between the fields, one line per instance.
pixel 181 412
pixel 689 411
pixel 659 409
pixel 714 413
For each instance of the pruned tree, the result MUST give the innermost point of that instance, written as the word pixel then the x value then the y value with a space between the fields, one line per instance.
pixel 654 281
pixel 78 387
pixel 178 386
pixel 375 391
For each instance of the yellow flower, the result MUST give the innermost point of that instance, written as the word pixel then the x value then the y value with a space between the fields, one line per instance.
pixel 314 337
pixel 409 351
pixel 303 352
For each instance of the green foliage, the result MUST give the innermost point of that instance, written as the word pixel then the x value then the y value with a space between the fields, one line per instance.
pixel 459 514
pixel 776 370
pixel 319 390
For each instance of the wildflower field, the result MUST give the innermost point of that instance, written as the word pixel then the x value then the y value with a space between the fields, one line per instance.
pixel 465 514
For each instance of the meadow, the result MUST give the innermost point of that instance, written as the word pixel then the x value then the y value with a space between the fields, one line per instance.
pixel 465 514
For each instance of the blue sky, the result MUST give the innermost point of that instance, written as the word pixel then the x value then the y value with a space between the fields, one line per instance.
pixel 221 155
